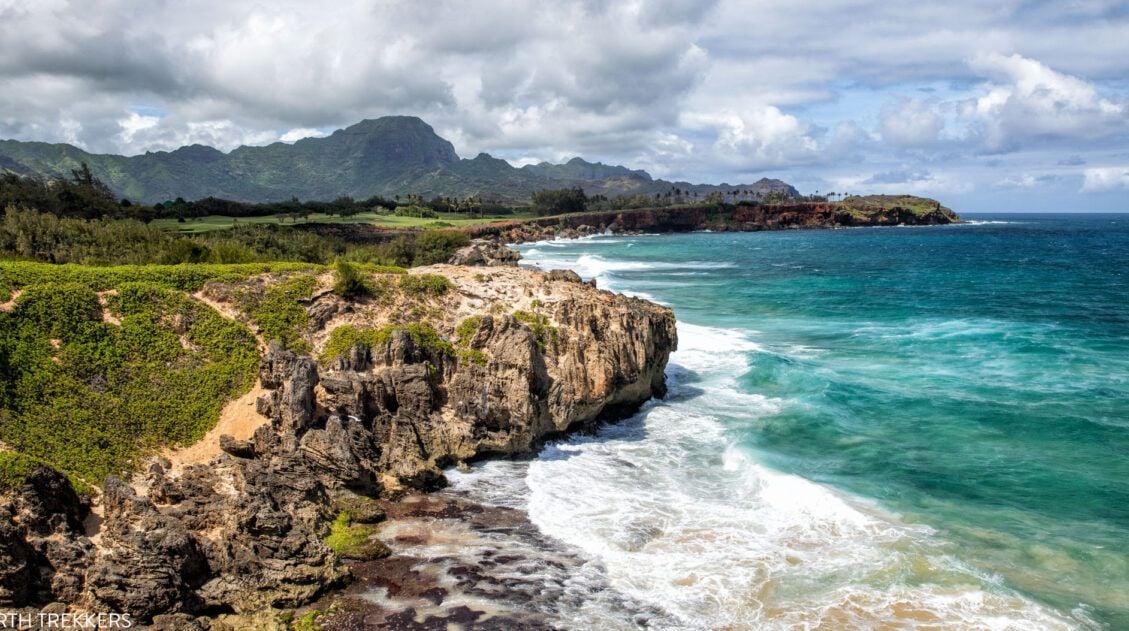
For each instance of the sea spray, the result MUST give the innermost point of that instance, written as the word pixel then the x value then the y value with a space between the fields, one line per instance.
pixel 918 426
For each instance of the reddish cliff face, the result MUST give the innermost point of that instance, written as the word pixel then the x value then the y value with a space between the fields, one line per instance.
pixel 891 211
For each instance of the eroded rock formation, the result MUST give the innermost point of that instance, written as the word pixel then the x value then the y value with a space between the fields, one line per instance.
pixel 521 357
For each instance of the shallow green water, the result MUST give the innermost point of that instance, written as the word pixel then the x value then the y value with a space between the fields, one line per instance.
pixel 970 379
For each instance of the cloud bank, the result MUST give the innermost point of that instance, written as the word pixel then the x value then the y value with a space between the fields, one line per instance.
pixel 969 98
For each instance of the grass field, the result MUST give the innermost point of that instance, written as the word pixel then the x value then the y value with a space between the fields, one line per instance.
pixel 445 220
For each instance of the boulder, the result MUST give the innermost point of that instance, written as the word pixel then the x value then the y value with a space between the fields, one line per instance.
pixel 485 253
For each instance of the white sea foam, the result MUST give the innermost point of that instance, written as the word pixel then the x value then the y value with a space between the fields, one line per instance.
pixel 681 516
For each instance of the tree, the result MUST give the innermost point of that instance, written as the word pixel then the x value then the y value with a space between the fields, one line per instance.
pixel 561 200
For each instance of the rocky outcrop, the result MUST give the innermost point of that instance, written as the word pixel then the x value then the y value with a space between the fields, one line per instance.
pixel 517 357
pixel 485 252
pixel 744 217
pixel 41 536
pixel 405 410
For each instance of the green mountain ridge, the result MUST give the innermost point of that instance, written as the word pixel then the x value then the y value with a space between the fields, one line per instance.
pixel 388 156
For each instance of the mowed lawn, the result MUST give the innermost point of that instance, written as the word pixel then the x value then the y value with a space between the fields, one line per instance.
pixel 445 220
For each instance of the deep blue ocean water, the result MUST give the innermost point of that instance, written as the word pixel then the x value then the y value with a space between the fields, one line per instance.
pixel 866 427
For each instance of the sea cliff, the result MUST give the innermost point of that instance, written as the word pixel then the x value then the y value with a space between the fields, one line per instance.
pixel 876 210
pixel 432 369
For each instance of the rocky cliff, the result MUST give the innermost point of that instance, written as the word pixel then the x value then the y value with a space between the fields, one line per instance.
pixel 852 212
pixel 459 363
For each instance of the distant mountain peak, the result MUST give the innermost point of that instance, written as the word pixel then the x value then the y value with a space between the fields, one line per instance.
pixel 389 155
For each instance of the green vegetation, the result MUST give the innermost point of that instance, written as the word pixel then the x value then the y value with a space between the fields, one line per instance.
pixel 360 509
pixel 426 284
pixel 472 356
pixel 345 337
pixel 348 282
pixel 466 329
pixel 278 312
pixel 89 388
pixel 865 205
pixel 15 468
pixel 560 201
pixel 81 195
pixel 209 223
pixel 354 541
pixel 308 621
pixel 32 235
pixel 16 274
pixel 539 325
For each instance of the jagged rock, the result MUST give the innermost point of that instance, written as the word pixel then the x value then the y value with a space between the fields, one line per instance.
pixel 361 510
pixel 243 532
pixel 237 448
pixel 325 307
pixel 291 379
pixel 43 547
pixel 566 275
pixel 152 563
pixel 485 253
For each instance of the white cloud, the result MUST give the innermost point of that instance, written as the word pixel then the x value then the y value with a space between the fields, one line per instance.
pixel 757 137
pixel 903 182
pixel 711 91
pixel 1100 179
pixel 910 123
pixel 1032 100
pixel 298 133
pixel 134 124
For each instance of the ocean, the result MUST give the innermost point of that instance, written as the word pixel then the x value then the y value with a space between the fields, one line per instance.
pixel 920 427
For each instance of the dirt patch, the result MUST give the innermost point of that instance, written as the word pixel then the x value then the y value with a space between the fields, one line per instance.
pixel 11 302
pixel 239 419
pixel 108 317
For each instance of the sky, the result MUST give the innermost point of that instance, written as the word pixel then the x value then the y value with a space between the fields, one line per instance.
pixel 988 106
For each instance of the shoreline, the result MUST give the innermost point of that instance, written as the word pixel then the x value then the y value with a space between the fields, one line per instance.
pixel 739 218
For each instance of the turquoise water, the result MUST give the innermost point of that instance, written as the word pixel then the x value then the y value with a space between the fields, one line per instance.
pixel 866 427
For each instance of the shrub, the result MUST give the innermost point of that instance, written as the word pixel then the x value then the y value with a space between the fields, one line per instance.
pixel 59 309
pixel 15 468
pixel 539 325
pixel 348 282
pixel 279 315
pixel 105 394
pixel 426 284
pixel 473 356
pixel 559 201
pixel 466 329
pixel 183 277
pixel 345 337
pixel 437 246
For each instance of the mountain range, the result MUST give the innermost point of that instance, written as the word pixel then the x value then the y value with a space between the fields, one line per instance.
pixel 392 155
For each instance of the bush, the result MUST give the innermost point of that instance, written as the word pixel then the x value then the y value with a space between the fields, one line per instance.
pixel 437 246
pixel 348 282
pixel 416 211
pixel 467 328
pixel 89 397
pixel 472 356
pixel 15 274
pixel 539 325
pixel 279 314
pixel 59 310
pixel 344 338
pixel 426 284
pixel 559 201
pixel 15 468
